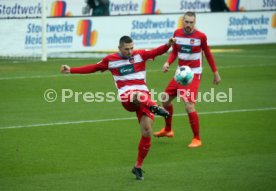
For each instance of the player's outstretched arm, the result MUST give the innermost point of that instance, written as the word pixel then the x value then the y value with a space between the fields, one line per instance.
pixel 65 69
pixel 151 54
pixel 87 69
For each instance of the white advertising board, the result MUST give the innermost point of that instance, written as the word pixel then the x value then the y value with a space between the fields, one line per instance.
pixel 239 28
pixel 19 36
pixel 65 8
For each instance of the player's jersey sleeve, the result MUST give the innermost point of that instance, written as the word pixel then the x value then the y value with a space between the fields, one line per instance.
pixel 208 54
pixel 91 68
pixel 173 54
pixel 151 54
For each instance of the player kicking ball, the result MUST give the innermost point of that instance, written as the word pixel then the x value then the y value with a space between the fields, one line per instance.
pixel 128 67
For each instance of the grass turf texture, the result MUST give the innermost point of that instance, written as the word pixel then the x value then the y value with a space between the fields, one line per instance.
pixel 239 147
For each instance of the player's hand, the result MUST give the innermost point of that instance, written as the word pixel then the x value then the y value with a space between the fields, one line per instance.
pixel 65 69
pixel 171 41
pixel 217 78
pixel 166 67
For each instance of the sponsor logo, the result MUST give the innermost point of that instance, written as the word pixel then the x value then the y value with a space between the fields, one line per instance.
pixel 273 21
pixel 59 35
pixel 123 8
pixel 89 36
pixel 233 5
pixel 124 70
pixel 248 27
pixel 185 49
pixel 149 7
pixel 11 9
pixel 59 9
pixel 269 4
pixel 158 30
pixel 194 5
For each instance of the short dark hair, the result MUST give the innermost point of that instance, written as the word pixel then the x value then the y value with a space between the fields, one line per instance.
pixel 125 39
pixel 190 13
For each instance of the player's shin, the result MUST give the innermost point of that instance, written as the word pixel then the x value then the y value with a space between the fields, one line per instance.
pixel 194 122
pixel 143 149
pixel 168 120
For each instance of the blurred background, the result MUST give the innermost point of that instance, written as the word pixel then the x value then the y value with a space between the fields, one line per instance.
pixel 96 25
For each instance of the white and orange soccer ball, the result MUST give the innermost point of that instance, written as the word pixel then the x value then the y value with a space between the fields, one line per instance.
pixel 184 75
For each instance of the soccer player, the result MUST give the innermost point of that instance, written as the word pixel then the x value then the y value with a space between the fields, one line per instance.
pixel 189 47
pixel 128 68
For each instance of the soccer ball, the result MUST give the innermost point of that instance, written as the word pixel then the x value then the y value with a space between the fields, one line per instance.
pixel 184 75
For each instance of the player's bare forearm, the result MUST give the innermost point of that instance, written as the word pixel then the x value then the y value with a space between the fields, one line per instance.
pixel 166 67
pixel 217 78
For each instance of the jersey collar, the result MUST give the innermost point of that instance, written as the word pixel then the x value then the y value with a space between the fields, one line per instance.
pixel 124 57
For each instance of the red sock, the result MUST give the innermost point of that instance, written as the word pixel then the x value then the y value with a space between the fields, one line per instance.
pixel 143 149
pixel 168 120
pixel 194 122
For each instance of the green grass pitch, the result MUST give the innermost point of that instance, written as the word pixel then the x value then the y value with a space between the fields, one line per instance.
pixel 74 151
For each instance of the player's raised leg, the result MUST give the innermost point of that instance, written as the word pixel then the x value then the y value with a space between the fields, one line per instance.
pixel 144 100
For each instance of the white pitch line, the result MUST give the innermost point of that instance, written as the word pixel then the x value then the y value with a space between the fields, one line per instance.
pixel 247 65
pixel 246 56
pixel 134 118
pixel 39 76
pixel 156 70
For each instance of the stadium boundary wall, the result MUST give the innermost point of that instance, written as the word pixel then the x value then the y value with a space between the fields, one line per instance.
pixel 21 37
pixel 68 8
